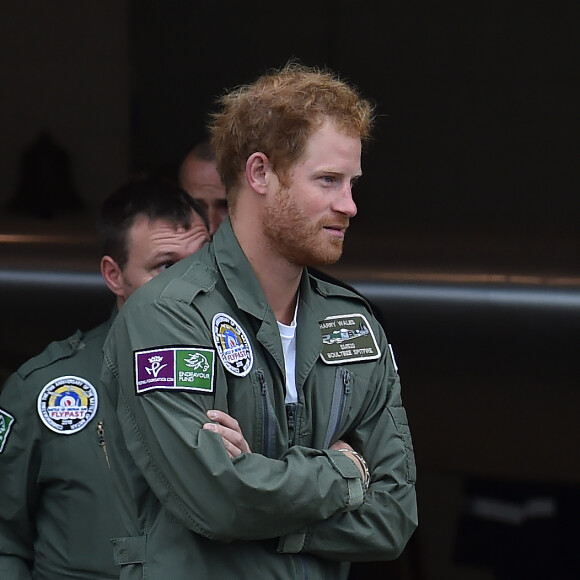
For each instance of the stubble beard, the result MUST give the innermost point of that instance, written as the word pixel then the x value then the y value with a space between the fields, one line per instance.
pixel 292 235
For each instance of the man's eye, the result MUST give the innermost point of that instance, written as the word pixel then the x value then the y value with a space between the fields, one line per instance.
pixel 330 179
pixel 165 265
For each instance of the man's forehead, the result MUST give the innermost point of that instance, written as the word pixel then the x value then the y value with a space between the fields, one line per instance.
pixel 146 225
pixel 200 172
pixel 152 232
pixel 209 190
pixel 329 146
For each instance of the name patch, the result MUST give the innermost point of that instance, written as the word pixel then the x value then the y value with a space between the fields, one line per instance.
pixel 347 338
pixel 177 368
pixel 67 404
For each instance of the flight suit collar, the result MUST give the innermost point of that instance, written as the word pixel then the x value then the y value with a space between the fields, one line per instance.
pixel 308 337
pixel 245 289
pixel 238 274
pixel 241 280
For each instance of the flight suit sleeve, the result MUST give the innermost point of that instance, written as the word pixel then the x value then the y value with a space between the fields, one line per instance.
pixel 380 528
pixel 19 466
pixel 187 467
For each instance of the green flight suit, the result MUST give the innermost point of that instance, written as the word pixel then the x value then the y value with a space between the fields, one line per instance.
pixel 56 514
pixel 202 336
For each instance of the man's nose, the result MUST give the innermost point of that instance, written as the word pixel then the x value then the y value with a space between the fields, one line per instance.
pixel 214 221
pixel 344 203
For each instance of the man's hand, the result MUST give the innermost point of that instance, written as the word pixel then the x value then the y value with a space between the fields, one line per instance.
pixel 340 445
pixel 229 429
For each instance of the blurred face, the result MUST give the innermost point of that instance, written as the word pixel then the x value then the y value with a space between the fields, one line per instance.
pixel 307 221
pixel 201 180
pixel 154 246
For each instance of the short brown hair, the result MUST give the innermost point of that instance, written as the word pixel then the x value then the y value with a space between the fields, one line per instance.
pixel 277 113
pixel 143 195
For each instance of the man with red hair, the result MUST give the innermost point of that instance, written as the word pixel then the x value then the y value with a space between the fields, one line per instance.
pixel 327 475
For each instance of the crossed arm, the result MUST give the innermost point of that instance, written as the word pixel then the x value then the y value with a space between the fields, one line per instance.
pixel 235 443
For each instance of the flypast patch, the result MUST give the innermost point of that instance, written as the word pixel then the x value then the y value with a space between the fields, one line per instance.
pixel 232 344
pixel 347 338
pixel 67 404
pixel 175 368
pixel 6 422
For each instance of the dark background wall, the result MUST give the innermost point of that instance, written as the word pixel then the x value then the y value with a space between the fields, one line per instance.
pixel 64 69
pixel 476 101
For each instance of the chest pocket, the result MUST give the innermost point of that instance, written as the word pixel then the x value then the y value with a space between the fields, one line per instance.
pixel 340 407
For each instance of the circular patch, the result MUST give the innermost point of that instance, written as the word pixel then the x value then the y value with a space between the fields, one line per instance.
pixel 232 345
pixel 67 404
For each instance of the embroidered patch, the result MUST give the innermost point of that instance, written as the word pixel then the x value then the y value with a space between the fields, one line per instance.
pixel 67 404
pixel 347 338
pixel 232 345
pixel 177 368
pixel 6 422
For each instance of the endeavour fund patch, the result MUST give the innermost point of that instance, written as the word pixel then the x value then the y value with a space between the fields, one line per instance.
pixel 175 368
pixel 232 345
pixel 6 421
pixel 67 404
pixel 347 338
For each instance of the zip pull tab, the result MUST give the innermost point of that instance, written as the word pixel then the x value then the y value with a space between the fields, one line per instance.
pixel 262 381
pixel 346 381
pixel 102 442
pixel 291 418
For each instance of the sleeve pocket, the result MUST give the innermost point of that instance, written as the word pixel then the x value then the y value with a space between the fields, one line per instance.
pixel 399 416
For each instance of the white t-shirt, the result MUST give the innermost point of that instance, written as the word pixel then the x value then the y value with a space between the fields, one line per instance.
pixel 288 337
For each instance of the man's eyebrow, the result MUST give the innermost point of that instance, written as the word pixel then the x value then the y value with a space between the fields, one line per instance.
pixel 161 256
pixel 335 171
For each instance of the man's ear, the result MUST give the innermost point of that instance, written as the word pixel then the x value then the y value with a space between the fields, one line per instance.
pixel 112 275
pixel 259 172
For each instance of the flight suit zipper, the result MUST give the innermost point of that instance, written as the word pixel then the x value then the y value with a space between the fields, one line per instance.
pixel 291 420
pixel 268 441
pixel 102 441
pixel 339 407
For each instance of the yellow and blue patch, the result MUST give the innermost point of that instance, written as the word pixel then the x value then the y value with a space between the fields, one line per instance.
pixel 67 404
pixel 232 345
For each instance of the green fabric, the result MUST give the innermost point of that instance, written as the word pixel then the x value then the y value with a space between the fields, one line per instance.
pixel 56 517
pixel 290 509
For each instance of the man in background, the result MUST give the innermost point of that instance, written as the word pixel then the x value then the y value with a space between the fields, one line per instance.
pixel 56 518
pixel 199 177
